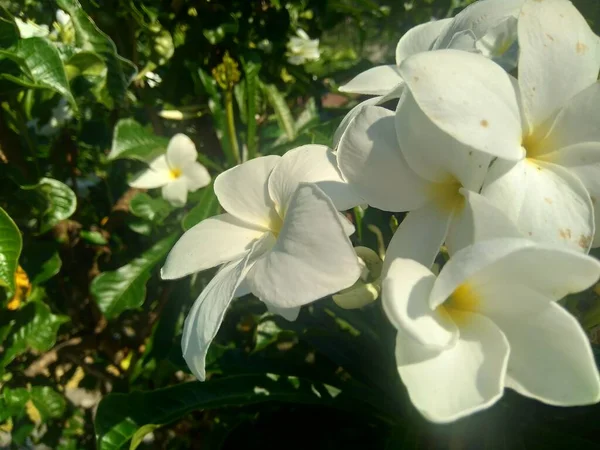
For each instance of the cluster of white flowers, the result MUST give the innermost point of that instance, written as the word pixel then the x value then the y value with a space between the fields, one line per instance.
pixel 500 170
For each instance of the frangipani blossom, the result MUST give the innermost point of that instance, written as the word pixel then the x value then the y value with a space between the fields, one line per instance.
pixel 486 26
pixel 302 48
pixel 490 321
pixel 280 238
pixel 549 116
pixel 439 193
pixel 177 172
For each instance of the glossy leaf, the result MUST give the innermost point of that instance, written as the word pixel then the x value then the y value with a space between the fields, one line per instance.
pixel 120 416
pixel 54 200
pixel 282 111
pixel 34 327
pixel 10 250
pixel 41 65
pixel 41 261
pixel 89 37
pixel 131 140
pixel 149 208
pixel 125 288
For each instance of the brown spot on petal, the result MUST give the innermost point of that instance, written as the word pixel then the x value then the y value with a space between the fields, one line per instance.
pixel 565 234
pixel 484 123
pixel 549 36
pixel 584 241
pixel 415 79
pixel 548 200
pixel 581 48
pixel 530 233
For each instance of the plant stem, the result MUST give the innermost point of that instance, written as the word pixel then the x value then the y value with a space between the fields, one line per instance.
pixel 234 157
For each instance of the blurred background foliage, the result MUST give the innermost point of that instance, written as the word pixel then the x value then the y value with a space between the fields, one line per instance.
pixel 90 337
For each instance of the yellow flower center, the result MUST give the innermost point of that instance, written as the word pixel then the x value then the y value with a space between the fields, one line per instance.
pixel 446 195
pixel 463 300
pixel 175 173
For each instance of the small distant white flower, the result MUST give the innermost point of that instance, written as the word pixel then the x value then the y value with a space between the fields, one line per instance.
pixel 153 79
pixel 28 29
pixel 490 321
pixel 177 172
pixel 62 17
pixel 302 49
pixel 280 238
pixel 61 114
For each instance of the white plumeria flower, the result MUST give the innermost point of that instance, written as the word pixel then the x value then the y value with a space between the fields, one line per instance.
pixel 302 48
pixel 549 116
pixel 177 172
pixel 61 114
pixel 490 321
pixel 487 26
pixel 386 161
pixel 280 238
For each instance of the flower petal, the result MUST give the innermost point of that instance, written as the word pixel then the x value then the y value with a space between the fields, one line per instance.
pixel 590 177
pixel 559 57
pixel 468 262
pixel 419 236
pixel 181 152
pixel 405 299
pixel 310 164
pixel 204 319
pixel 371 160
pixel 196 176
pixel 469 97
pixel 176 191
pixel 157 175
pixel 289 314
pixel 479 18
pixel 213 241
pixel 243 191
pixel 461 380
pixel 312 257
pixel 547 202
pixel 434 154
pixel 419 39
pixel 549 270
pixel 575 125
pixel 378 80
pixel 380 100
pixel 478 220
pixel 551 359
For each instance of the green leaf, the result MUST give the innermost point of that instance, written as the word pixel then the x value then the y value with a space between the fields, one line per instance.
pixel 125 288
pixel 9 33
pixel 93 237
pixel 131 140
pixel 41 64
pixel 120 72
pixel 215 104
pixel 48 402
pixel 120 416
pixel 55 201
pixel 34 327
pixel 207 207
pixel 148 208
pixel 282 111
pixel 251 71
pixel 10 249
pixel 87 72
pixel 41 261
